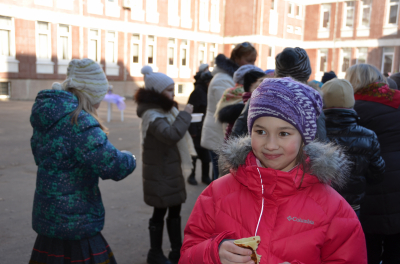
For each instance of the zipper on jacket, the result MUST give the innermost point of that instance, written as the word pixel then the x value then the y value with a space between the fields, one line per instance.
pixel 262 204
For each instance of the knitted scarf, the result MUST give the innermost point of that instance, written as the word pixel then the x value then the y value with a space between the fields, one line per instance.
pixel 231 96
pixel 185 145
pixel 379 93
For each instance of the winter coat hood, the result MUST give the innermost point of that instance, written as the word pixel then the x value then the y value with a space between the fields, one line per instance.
pixel 224 65
pixel 340 117
pixel 326 161
pixel 148 99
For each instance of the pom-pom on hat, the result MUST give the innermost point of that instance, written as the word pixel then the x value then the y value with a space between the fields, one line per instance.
pixel 291 101
pixel 155 81
pixel 328 76
pixel 338 93
pixel 238 76
pixel 86 76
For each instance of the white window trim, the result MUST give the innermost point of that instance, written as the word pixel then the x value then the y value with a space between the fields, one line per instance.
pixel 44 66
pixel 342 55
pixel 152 16
pixel 345 10
pixel 136 67
pixel 186 21
pixel 175 52
pixel 215 24
pixel 389 4
pixel 187 48
pixel 319 61
pixel 273 17
pixel 204 25
pixel 383 59
pixel 359 55
pixel 62 64
pixel 154 43
pixel 322 11
pixel 289 29
pixel 275 6
pixel 137 12
pixel 300 15
pixel 205 53
pixel 95 7
pixel 173 13
pixel 112 68
pixel 98 38
pixel 113 9
pixel 215 50
pixel 293 11
pixel 10 63
pixel 65 4
pixel 360 15
pixel 297 31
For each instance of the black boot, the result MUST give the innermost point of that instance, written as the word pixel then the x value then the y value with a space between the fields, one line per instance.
pixel 156 255
pixel 191 179
pixel 175 237
pixel 205 179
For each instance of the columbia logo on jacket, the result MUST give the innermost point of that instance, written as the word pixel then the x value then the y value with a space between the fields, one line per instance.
pixel 295 219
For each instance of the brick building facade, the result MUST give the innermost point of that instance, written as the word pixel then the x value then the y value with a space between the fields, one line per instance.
pixel 39 37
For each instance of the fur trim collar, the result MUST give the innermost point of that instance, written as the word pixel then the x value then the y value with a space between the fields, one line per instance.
pixel 152 99
pixel 225 64
pixel 327 161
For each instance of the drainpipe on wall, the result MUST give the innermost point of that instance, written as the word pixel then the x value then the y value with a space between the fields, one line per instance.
pixel 334 59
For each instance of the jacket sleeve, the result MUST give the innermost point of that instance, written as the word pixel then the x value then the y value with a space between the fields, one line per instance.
pixel 376 165
pixel 92 149
pixel 200 244
pixel 344 241
pixel 170 134
pixel 240 126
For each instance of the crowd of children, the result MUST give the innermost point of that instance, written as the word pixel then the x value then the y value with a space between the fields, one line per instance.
pixel 309 167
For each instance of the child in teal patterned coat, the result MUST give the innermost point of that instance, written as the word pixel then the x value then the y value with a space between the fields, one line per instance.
pixel 72 152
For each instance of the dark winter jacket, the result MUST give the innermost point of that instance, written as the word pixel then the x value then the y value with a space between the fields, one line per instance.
pixel 163 182
pixel 70 160
pixel 198 98
pixel 380 212
pixel 362 149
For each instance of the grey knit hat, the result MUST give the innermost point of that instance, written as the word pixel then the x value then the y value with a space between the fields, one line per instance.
pixel 238 76
pixel 155 81
pixel 293 63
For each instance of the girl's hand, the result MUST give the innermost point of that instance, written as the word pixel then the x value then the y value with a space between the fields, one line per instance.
pixel 189 108
pixel 230 253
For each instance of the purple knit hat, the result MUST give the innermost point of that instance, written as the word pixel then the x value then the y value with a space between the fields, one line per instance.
pixel 291 101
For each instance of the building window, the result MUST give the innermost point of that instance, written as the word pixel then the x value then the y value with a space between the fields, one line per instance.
pixel 137 12
pixel 215 25
pixel 184 53
pixel 65 4
pixel 323 60
pixel 298 11
pixel 64 42
pixel 112 8
pixel 173 13
pixel 43 48
pixel 151 49
pixel 203 17
pixel 269 51
pixel 387 60
pixel 202 53
pixel 111 47
pixel 393 11
pixel 289 29
pixel 346 57
pixel 94 45
pixel 4 90
pixel 273 4
pixel 152 15
pixel 349 14
pixel 136 49
pixel 6 27
pixel 297 30
pixel 171 51
pixel 180 88
pixel 365 13
pixel 325 16
pixel 213 54
pixel 291 10
pixel 95 7
pixel 186 21
pixel 362 55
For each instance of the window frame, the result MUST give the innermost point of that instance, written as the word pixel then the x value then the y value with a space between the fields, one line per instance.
pixel 323 8
pixel 204 23
pixel 173 17
pixel 291 10
pixel 174 46
pixel 343 52
pixel 187 48
pixel 98 39
pixel 152 15
pixel 11 40
pixel 359 54
pixel 154 44
pixel 48 33
pixel 215 51
pixel 140 51
pixel 320 53
pixel 383 58
pixel 300 15
pixel 59 46
pixel 115 51
pixel 361 8
pixel 274 6
pixel 289 29
pixel 137 12
pixel 346 9
pixel 390 4
pixel 214 16
pixel 205 53
pixel 186 13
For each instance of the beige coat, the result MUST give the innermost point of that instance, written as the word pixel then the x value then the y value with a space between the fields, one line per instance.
pixel 212 135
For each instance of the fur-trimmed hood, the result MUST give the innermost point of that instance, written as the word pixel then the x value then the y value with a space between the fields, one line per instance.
pixel 327 161
pixel 225 64
pixel 149 99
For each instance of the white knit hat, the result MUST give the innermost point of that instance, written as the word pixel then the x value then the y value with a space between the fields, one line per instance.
pixel 88 77
pixel 238 76
pixel 203 66
pixel 156 81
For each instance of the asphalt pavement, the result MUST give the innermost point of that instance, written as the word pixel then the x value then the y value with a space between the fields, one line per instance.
pixel 127 216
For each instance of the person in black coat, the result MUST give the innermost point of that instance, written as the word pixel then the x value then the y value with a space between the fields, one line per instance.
pixel 361 144
pixel 198 98
pixel 379 109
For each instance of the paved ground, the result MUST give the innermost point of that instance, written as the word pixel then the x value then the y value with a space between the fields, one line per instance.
pixel 126 213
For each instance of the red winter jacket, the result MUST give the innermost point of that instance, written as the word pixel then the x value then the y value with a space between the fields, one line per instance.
pixel 310 224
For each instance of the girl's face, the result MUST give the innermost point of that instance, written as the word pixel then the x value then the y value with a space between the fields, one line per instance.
pixel 169 92
pixel 247 59
pixel 275 143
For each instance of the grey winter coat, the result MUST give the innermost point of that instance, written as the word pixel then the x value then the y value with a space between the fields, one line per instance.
pixel 163 182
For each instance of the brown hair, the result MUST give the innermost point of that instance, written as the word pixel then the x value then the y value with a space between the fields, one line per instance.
pixel 242 49
pixel 301 160
pixel 84 104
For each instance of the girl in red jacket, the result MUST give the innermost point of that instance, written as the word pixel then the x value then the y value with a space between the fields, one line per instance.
pixel 278 189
